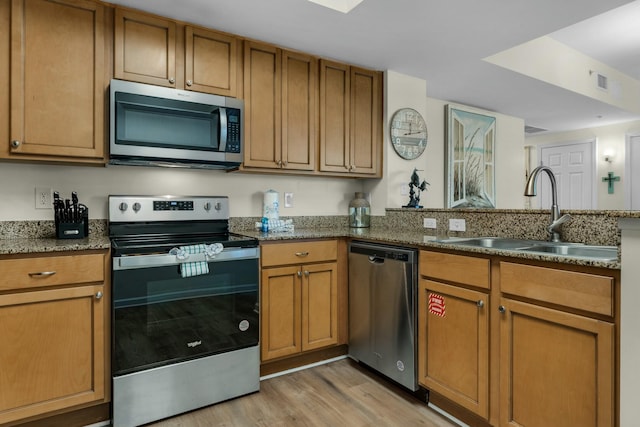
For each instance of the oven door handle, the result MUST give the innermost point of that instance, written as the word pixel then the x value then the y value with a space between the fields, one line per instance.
pixel 128 262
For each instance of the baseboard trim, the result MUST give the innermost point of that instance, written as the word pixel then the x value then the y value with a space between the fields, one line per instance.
pixel 301 368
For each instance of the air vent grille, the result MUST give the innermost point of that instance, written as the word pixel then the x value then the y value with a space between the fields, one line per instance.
pixel 603 82
pixel 531 129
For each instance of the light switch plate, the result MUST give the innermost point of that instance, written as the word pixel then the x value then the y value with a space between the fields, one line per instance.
pixel 457 225
pixel 429 223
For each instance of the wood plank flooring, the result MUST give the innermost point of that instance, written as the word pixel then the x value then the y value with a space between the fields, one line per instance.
pixel 340 393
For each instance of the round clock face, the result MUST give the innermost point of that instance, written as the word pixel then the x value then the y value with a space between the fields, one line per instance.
pixel 408 133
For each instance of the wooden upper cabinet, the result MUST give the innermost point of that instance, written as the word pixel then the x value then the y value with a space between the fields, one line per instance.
pixel 262 105
pixel 334 111
pixel 211 62
pixel 280 108
pixel 145 48
pixel 154 50
pixel 350 120
pixel 58 81
pixel 299 111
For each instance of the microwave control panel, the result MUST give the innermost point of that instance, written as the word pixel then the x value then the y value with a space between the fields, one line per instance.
pixel 233 130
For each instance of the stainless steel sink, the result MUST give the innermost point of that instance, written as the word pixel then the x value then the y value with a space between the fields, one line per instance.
pixel 605 253
pixel 566 249
pixel 491 242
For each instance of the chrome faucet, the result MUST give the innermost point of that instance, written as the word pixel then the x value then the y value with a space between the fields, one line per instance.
pixel 556 220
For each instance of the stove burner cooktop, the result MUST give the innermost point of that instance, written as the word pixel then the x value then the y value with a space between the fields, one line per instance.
pixel 156 224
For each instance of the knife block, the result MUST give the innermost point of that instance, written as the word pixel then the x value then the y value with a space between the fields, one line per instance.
pixel 73 230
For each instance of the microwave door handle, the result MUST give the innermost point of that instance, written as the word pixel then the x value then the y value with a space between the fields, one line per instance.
pixel 222 147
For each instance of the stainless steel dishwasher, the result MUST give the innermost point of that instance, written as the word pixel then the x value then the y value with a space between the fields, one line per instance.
pixel 382 310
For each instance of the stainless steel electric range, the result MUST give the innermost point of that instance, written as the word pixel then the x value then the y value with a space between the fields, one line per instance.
pixel 185 316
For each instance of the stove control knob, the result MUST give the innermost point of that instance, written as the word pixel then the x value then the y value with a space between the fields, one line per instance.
pixel 123 206
pixel 136 207
pixel 218 206
pixel 207 206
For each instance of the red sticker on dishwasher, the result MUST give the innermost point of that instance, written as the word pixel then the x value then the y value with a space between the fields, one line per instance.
pixel 437 305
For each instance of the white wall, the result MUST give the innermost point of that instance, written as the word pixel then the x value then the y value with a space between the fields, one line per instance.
pixel 406 91
pixel 312 195
pixel 608 139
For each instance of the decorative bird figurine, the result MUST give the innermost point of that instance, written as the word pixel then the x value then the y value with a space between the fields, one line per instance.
pixel 414 198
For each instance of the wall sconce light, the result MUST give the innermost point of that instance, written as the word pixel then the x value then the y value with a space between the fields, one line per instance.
pixel 608 156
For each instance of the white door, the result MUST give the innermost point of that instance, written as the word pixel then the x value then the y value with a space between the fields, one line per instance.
pixel 572 165
pixel 633 172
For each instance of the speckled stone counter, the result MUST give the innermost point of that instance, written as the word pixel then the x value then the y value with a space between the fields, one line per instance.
pixel 44 245
pixel 417 239
pixel 30 237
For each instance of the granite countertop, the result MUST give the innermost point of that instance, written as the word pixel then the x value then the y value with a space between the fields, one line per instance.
pixel 45 245
pixel 420 240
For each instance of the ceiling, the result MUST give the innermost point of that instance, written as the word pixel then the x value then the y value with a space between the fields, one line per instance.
pixel 444 43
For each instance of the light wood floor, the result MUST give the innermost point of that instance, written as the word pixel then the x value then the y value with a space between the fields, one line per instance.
pixel 340 393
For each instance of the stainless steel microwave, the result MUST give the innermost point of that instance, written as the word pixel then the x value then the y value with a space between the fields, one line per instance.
pixel 158 126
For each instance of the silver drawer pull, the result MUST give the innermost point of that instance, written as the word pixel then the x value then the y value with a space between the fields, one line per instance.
pixel 42 274
pixel 98 295
pixel 302 254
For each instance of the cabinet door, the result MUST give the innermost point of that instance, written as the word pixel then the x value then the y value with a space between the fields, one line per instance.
pixel 5 67
pixel 262 106
pixel 144 48
pixel 453 344
pixel 280 312
pixel 211 62
pixel 319 305
pixel 57 79
pixel 335 110
pixel 557 369
pixel 299 111
pixel 52 352
pixel 366 130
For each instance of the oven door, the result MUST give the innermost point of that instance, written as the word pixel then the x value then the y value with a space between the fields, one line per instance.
pixel 160 317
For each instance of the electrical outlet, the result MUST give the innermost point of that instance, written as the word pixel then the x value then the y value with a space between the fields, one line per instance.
pixel 288 200
pixel 43 198
pixel 457 225
pixel 404 190
pixel 429 223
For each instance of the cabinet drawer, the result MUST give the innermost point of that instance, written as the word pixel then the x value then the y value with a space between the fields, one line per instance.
pixel 581 291
pixel 299 252
pixel 25 273
pixel 456 268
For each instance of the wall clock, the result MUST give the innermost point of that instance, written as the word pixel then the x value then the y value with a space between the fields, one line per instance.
pixel 408 133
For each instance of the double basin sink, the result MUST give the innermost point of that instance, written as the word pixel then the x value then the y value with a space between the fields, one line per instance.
pixel 564 249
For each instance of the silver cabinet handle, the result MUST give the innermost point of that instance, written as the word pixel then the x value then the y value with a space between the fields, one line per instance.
pixel 42 274
pixel 15 143
pixel 284 163
pixel 172 80
pixel 502 309
pixel 98 295
pixel 299 273
pixel 189 82
pixel 306 273
pixel 480 303
pixel 302 254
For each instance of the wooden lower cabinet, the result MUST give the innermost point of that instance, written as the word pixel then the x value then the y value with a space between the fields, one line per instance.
pixel 53 353
pixel 454 344
pixel 299 306
pixel 303 297
pixel 557 368
pixel 535 345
